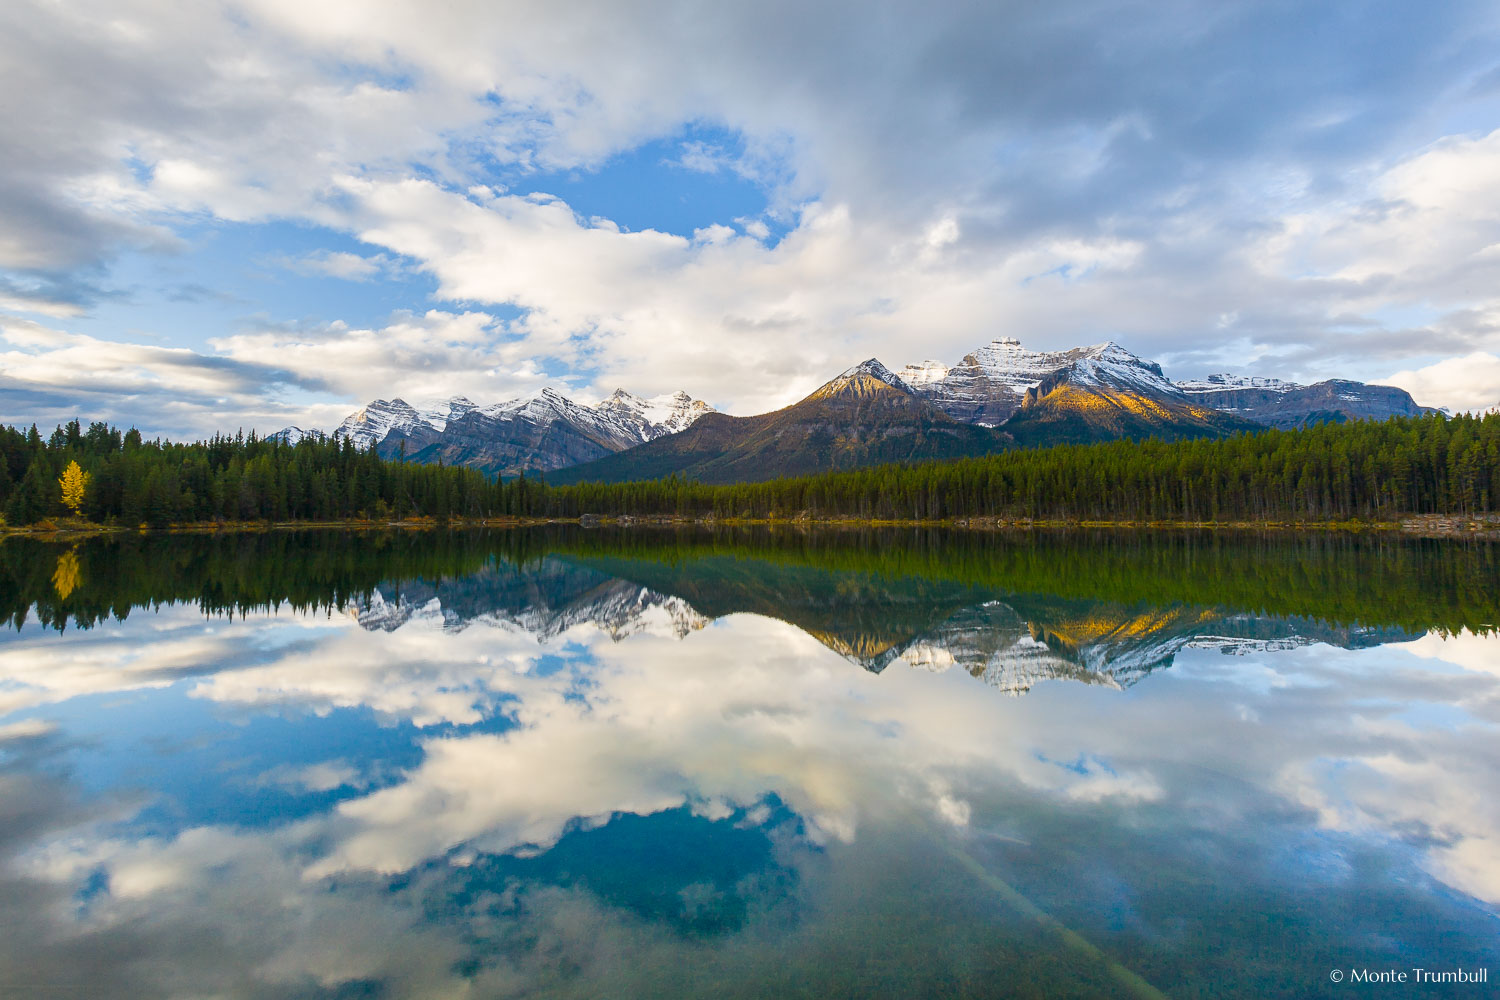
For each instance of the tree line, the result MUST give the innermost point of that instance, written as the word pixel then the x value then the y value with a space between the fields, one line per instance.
pixel 122 479
pixel 1430 464
pixel 876 574
pixel 1367 470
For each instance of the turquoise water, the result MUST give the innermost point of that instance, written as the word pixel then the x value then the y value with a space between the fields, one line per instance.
pixel 595 764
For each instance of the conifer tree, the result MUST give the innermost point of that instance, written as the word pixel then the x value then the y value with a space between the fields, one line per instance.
pixel 74 482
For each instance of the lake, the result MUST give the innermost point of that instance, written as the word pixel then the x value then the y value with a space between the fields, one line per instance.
pixel 748 763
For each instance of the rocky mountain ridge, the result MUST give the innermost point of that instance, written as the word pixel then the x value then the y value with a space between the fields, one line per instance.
pixel 991 386
pixel 540 432
pixel 998 396
pixel 864 416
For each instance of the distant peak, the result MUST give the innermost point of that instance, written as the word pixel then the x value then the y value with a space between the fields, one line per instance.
pixel 872 366
pixel 1010 342
pixel 857 380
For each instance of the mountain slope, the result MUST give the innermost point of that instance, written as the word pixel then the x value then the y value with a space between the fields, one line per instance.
pixel 865 416
pixel 543 431
pixel 1287 405
pixel 1110 393
pixel 989 385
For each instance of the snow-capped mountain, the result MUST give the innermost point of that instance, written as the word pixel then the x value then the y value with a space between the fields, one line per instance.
pixel 380 419
pixel 656 415
pixel 864 416
pixel 1106 391
pixel 1228 383
pixel 864 379
pixel 291 435
pixel 1000 395
pixel 990 384
pixel 1277 403
pixel 543 431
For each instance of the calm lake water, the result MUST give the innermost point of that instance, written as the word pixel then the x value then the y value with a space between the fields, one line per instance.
pixel 601 763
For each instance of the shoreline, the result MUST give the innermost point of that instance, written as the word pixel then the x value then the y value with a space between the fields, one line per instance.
pixel 1479 526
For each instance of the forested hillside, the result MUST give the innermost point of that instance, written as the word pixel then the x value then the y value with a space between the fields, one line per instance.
pixel 1411 465
pixel 1407 465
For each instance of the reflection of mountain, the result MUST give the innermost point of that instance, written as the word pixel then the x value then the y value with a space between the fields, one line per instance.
pixel 544 598
pixel 1013 644
pixel 1009 641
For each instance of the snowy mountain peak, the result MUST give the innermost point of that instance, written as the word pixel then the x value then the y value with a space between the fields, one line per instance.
pixel 874 368
pixel 1109 364
pixel 864 379
pixel 1225 382
pixel 377 420
pixel 655 416
pixel 292 435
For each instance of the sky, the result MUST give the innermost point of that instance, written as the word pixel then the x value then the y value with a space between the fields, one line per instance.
pixel 266 213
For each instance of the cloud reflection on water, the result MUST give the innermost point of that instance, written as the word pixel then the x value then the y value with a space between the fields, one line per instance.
pixel 1390 746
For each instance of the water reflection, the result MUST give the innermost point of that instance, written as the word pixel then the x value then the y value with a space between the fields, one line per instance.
pixel 590 766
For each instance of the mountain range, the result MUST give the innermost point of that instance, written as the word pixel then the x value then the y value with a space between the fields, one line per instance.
pixel 540 432
pixel 997 397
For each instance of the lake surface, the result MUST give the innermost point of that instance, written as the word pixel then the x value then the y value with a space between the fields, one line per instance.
pixel 652 763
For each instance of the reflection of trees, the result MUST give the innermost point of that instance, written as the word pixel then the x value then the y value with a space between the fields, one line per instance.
pixel 66 577
pixel 866 590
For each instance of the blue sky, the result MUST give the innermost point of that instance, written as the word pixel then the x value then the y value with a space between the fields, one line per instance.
pixel 267 213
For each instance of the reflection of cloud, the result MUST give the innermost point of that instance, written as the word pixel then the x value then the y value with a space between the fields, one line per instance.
pixel 724 719
pixel 26 729
pixel 751 707
pixel 645 725
pixel 1472 652
pixel 40 670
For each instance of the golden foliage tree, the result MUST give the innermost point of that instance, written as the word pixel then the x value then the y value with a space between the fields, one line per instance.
pixel 67 575
pixel 75 484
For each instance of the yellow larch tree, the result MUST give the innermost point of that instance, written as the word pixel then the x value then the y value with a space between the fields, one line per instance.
pixel 75 484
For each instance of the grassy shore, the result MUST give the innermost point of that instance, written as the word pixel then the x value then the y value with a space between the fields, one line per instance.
pixel 1483 526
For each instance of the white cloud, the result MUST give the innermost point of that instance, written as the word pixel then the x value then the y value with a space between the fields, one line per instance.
pixel 943 182
pixel 339 264
pixel 1471 382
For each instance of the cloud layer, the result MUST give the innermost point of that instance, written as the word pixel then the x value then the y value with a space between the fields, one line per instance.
pixel 1281 189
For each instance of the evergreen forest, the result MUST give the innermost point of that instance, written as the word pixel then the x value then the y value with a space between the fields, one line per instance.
pixel 1376 471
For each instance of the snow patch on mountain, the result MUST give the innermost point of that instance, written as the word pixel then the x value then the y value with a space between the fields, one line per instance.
pixel 988 386
pixel 922 374
pixel 292 435
pixel 657 416
pixel 1226 383
pixel 868 369
pixel 1109 365
pixel 623 417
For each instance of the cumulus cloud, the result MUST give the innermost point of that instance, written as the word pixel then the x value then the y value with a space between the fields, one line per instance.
pixel 55 376
pixel 938 177
pixel 1470 382
pixel 339 264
